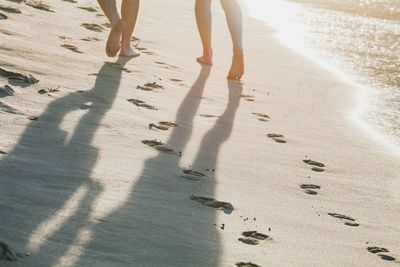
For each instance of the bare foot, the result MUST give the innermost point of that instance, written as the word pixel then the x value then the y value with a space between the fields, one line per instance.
pixel 206 60
pixel 114 39
pixel 237 69
pixel 129 52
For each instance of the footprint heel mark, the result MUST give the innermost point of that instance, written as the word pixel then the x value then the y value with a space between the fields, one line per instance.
pixel 256 235
pixel 141 104
pixel 92 27
pixel 89 39
pixel 209 116
pixel 352 224
pixel 7 253
pixel 376 250
pixel 341 216
pixel 10 9
pixel 212 203
pixel 160 146
pixel 277 138
pixel 348 220
pixel 261 116
pixel 6 90
pixel 72 48
pixel 379 250
pixel 246 264
pixel 149 86
pixel 253 237
pixel 314 163
pixel 192 175
pixel 249 98
pixel 38 4
pixel 166 65
pixel 163 125
pixel 9 109
pixel 12 76
pixel 249 241
pixel 310 189
pixel 317 166
pixel 88 8
pixel 386 257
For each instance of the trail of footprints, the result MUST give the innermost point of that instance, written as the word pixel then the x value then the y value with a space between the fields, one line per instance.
pixel 248 237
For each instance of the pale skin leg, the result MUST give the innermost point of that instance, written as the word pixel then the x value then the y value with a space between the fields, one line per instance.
pixel 235 24
pixel 203 18
pixel 121 29
pixel 129 11
pixel 234 20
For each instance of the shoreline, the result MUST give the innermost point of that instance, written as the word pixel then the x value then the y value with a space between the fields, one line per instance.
pixel 362 105
pixel 81 184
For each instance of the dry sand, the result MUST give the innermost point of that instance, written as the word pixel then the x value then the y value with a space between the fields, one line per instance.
pixel 78 187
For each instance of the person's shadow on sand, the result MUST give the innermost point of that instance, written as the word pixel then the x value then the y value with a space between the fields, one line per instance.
pixel 50 169
pixel 159 225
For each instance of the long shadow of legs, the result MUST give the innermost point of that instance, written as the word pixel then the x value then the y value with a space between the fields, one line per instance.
pixel 159 225
pixel 207 155
pixel 46 190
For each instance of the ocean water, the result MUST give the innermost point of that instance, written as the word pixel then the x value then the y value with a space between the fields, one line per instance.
pixel 359 38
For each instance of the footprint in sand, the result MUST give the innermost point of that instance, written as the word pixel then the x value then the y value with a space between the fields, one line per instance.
pixel 348 220
pixel 88 8
pixel 149 86
pixel 141 104
pixel 160 146
pixel 209 116
pixel 163 125
pixel 7 253
pixel 261 116
pixel 9 109
pixel 72 48
pixel 38 4
pixel 318 166
pixel 376 250
pixel 176 80
pixel 93 27
pixel 212 203
pixel 89 39
pixel 18 76
pixel 54 89
pixel 247 264
pixel 192 175
pixel 166 65
pixel 310 188
pixel 6 90
pixel 64 37
pixel 277 138
pixel 10 9
pixel 249 98
pixel 253 237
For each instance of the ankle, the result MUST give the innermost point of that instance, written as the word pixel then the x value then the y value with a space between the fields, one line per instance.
pixel 237 50
pixel 208 53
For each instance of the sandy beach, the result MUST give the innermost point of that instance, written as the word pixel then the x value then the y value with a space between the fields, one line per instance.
pixel 158 161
